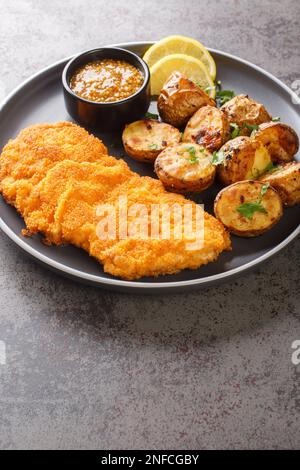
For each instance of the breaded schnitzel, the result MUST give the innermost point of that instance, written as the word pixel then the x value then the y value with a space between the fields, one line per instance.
pixel 26 159
pixel 59 198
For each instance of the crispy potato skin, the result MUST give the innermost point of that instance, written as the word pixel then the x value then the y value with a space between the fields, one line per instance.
pixel 244 159
pixel 229 199
pixel 208 127
pixel 286 181
pixel 244 110
pixel 179 99
pixel 144 140
pixel 280 139
pixel 178 173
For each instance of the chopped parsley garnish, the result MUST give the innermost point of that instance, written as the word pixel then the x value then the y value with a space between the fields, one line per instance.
pixel 264 189
pixel 151 116
pixel 252 127
pixel 271 167
pixel 249 208
pixel 209 88
pixel 276 119
pixel 153 147
pixel 218 157
pixel 236 130
pixel 206 89
pixel 224 95
pixel 193 157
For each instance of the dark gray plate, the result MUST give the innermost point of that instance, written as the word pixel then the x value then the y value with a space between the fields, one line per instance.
pixel 40 99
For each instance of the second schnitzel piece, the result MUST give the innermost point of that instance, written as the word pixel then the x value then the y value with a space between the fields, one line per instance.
pixel 26 159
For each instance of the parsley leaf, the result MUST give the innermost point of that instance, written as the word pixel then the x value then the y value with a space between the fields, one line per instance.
pixel 218 157
pixel 151 116
pixel 209 88
pixel 249 208
pixel 271 167
pixel 224 95
pixel 264 189
pixel 193 157
pixel 276 119
pixel 206 89
pixel 252 127
pixel 236 130
pixel 153 147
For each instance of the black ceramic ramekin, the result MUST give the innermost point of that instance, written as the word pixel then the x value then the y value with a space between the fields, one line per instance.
pixel 106 116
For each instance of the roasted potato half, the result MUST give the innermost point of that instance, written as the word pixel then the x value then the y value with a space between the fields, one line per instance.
pixel 280 139
pixel 244 111
pixel 242 158
pixel 185 168
pixel 286 181
pixel 248 208
pixel 180 98
pixel 144 140
pixel 208 127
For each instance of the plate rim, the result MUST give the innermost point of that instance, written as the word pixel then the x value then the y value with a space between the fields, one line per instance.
pixel 137 285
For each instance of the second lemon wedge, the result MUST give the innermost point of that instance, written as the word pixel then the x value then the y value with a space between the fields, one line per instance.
pixel 180 45
pixel 193 68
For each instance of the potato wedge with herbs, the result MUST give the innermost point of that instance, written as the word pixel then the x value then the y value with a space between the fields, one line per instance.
pixel 248 208
pixel 185 168
pixel 180 98
pixel 208 127
pixel 245 113
pixel 286 180
pixel 280 139
pixel 144 140
pixel 240 159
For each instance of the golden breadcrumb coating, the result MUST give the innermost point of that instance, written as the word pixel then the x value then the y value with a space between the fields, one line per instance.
pixel 57 184
pixel 26 159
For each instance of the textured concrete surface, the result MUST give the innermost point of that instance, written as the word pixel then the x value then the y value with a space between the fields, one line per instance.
pixel 87 368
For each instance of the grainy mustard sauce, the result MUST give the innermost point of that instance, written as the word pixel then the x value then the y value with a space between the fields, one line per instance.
pixel 106 80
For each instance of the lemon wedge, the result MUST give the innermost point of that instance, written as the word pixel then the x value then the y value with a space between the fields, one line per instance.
pixel 180 45
pixel 193 68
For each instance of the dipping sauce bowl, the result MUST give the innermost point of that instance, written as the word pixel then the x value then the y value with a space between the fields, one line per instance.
pixel 82 98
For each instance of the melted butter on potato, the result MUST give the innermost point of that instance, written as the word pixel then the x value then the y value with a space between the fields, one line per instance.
pixel 185 168
pixel 229 201
pixel 244 158
pixel 261 161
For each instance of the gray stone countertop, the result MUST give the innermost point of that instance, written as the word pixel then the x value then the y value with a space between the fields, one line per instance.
pixel 87 368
